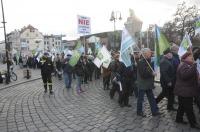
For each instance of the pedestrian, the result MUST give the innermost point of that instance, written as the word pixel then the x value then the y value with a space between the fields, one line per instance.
pixel 79 69
pixel 145 83
pixel 167 79
pixel 46 66
pixel 68 69
pixel 106 77
pixel 20 62
pixel 114 65
pixel 58 66
pixel 24 59
pixel 125 76
pixel 91 67
pixel 186 88
pixel 15 59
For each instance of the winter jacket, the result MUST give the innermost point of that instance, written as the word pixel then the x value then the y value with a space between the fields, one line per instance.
pixel 187 80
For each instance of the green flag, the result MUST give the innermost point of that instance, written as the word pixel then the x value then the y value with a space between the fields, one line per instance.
pixel 161 44
pixel 76 54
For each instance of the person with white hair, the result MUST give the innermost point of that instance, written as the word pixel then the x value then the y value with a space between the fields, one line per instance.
pixel 145 83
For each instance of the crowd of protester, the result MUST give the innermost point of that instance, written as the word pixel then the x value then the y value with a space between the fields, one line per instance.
pixel 179 78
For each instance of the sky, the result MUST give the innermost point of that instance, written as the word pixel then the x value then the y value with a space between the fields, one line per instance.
pixel 60 16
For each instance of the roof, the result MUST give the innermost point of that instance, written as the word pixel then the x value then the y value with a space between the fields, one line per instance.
pixel 28 27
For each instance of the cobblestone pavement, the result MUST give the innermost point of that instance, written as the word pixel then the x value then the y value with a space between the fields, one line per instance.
pixel 25 108
pixel 35 74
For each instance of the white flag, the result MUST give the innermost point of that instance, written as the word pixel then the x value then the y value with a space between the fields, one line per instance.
pixel 107 63
pixel 185 44
pixel 102 56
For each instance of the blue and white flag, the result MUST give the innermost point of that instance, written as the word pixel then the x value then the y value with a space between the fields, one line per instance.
pixel 126 47
pixel 198 65
pixel 185 44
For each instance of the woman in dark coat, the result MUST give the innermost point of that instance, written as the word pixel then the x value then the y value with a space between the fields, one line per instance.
pixel 186 89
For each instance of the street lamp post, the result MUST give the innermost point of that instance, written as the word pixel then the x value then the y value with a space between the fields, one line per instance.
pixel 114 18
pixel 7 46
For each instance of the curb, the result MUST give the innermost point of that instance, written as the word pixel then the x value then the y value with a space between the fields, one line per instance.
pixel 20 83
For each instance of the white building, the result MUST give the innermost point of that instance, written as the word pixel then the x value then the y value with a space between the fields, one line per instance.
pixel 28 38
pixel 53 41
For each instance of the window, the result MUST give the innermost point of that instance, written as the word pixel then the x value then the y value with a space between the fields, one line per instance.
pixel 27 41
pixel 27 34
pixel 52 40
pixel 36 35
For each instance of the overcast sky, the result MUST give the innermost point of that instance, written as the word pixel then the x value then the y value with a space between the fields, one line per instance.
pixel 60 16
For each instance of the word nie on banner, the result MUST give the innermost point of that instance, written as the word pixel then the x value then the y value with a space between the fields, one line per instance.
pixel 84 24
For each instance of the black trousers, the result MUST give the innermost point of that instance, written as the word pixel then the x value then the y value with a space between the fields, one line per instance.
pixel 186 106
pixel 134 88
pixel 47 81
pixel 114 88
pixel 168 93
pixel 124 94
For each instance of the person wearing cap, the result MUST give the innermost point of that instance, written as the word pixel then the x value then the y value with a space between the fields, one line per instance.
pixel 167 79
pixel 186 88
pixel 47 67
pixel 68 69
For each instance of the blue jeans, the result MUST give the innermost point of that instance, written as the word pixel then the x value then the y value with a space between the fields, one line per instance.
pixel 151 99
pixel 78 82
pixel 68 79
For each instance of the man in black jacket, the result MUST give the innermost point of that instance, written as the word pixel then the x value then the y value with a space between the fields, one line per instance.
pixel 167 79
pixel 125 76
pixel 46 69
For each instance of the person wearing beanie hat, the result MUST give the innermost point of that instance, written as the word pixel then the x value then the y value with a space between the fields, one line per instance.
pixel 167 80
pixel 186 88
pixel 184 56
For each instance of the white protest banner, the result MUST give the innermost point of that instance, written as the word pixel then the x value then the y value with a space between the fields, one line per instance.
pixel 84 25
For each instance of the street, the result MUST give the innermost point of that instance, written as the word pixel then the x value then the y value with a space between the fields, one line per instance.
pixel 24 107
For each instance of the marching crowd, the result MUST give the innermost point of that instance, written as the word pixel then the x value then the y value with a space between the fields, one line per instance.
pixel 179 78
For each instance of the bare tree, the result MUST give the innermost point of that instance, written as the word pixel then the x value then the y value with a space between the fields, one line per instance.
pixel 184 18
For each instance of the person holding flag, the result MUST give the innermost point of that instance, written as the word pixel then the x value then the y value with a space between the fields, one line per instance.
pixel 145 83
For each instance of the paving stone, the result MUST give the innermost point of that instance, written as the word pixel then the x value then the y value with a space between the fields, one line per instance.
pixel 25 107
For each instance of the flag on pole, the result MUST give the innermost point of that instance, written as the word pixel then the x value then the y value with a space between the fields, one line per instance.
pixel 102 56
pixel 107 63
pixel 198 65
pixel 126 47
pixel 197 28
pixel 185 44
pixel 161 44
pixel 76 54
pixel 97 46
